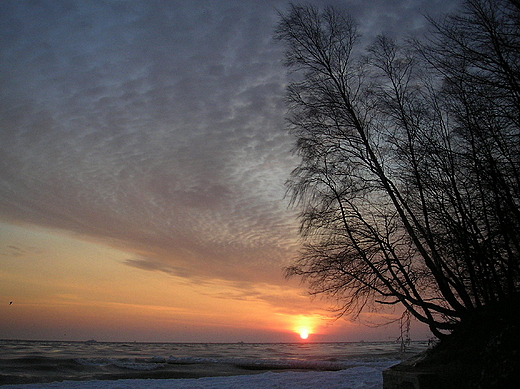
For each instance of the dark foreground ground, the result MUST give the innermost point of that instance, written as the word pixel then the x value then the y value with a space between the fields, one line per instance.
pixel 483 353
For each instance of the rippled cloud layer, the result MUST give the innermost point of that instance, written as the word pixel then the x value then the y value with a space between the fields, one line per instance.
pixel 157 127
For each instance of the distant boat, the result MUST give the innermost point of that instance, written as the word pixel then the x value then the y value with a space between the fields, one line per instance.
pixel 91 341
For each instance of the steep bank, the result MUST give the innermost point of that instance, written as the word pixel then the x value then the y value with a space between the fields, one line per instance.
pixel 483 352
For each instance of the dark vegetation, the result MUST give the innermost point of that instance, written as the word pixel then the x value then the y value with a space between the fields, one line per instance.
pixel 409 180
pixel 482 352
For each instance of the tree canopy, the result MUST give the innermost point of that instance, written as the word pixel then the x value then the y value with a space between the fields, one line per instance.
pixel 409 180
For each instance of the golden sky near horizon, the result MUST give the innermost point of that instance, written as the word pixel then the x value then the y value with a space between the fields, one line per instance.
pixel 65 288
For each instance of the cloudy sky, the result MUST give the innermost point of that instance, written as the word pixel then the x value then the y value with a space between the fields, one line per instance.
pixel 142 167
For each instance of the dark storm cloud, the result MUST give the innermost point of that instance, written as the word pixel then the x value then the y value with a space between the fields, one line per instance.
pixel 157 126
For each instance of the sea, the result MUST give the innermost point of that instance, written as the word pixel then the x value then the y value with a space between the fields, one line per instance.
pixel 32 364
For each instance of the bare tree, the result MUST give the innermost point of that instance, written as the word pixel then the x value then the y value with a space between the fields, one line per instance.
pixel 409 173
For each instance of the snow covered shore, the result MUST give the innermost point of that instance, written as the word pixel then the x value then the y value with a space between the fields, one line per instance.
pixel 361 377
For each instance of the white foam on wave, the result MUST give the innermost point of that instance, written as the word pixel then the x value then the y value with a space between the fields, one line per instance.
pixel 269 364
pixel 156 362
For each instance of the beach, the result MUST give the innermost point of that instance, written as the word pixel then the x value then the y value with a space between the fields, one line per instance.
pixel 354 378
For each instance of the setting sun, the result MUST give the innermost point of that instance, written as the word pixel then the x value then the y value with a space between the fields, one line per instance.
pixel 305 325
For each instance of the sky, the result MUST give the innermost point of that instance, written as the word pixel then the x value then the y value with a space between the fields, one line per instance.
pixel 143 158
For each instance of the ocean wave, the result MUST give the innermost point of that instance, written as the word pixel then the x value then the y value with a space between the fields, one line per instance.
pixel 144 365
pixel 158 362
pixel 59 361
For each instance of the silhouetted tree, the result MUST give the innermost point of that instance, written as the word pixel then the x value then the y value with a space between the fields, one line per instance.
pixel 409 181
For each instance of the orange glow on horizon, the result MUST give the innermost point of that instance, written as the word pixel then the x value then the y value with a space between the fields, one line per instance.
pixel 66 288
